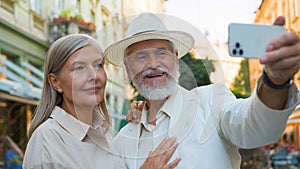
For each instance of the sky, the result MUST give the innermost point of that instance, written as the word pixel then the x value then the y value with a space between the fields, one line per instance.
pixel 213 15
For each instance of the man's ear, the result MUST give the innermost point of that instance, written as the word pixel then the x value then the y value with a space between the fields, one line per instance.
pixel 177 60
pixel 54 82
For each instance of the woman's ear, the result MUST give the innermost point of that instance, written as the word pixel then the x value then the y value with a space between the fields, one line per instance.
pixel 54 82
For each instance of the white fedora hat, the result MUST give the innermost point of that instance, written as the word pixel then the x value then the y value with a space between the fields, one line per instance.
pixel 145 27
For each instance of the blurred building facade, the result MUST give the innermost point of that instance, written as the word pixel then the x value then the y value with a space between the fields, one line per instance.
pixel 266 14
pixel 23 45
pixel 134 7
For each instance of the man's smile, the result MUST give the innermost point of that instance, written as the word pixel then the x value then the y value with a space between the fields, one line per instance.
pixel 155 75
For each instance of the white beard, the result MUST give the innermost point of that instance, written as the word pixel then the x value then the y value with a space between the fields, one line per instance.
pixel 158 92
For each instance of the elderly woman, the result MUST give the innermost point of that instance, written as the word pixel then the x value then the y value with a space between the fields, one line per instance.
pixel 70 125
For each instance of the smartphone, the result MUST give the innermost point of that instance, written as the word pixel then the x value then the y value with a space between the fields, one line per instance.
pixel 250 40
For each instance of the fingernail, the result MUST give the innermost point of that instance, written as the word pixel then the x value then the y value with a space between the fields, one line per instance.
pixel 179 159
pixel 263 59
pixel 270 47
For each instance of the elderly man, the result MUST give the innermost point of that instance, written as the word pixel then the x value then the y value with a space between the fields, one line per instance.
pixel 209 122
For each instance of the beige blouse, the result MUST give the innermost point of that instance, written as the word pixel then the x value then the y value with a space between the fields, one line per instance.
pixel 62 142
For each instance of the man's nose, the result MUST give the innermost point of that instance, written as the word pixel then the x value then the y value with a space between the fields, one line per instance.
pixel 153 61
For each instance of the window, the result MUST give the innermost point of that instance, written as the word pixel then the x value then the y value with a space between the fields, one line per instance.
pixel 36 6
pixel 8 5
pixel 77 6
pixel 59 5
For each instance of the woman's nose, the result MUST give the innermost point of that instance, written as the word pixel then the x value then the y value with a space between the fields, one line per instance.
pixel 94 73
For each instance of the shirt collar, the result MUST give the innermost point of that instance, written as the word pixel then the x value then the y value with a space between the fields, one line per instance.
pixel 74 126
pixel 168 107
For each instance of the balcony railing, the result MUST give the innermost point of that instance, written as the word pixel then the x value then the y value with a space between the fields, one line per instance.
pixel 60 27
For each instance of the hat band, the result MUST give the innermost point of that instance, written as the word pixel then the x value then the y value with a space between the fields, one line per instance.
pixel 143 32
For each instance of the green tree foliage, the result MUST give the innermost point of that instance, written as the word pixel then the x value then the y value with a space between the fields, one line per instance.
pixel 194 72
pixel 241 85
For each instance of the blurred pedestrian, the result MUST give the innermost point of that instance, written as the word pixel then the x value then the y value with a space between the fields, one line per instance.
pixel 13 155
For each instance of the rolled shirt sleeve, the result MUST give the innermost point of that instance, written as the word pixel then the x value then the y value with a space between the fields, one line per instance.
pixel 248 123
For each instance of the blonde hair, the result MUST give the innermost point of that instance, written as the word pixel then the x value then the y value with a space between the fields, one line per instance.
pixel 57 55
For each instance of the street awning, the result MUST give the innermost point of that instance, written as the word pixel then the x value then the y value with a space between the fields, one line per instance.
pixel 18 84
pixel 11 97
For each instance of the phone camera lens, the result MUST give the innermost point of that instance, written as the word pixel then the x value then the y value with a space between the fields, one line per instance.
pixel 241 52
pixel 237 45
pixel 234 51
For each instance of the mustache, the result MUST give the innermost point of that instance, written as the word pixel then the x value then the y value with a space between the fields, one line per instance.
pixel 158 70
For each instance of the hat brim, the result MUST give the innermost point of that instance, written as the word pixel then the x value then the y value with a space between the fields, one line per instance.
pixel 182 41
